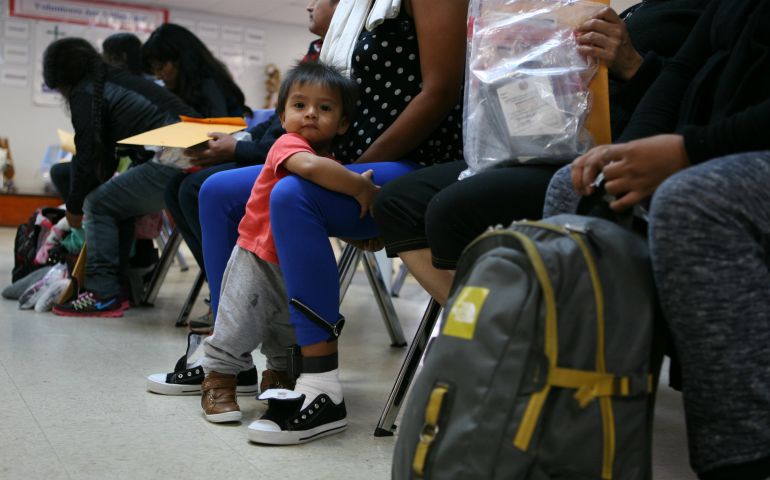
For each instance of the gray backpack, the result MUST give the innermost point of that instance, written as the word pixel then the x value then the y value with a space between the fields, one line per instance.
pixel 543 366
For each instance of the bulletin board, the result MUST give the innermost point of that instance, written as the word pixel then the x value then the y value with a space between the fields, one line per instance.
pixel 27 27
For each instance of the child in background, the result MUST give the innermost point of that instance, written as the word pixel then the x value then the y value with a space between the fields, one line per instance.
pixel 315 105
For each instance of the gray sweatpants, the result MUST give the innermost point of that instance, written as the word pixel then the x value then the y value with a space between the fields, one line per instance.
pixel 710 246
pixel 253 310
pixel 561 197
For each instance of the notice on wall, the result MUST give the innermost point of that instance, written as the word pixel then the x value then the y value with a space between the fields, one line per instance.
pixel 14 77
pixel 232 33
pixel 208 30
pixel 16 30
pixel 84 12
pixel 254 58
pixel 16 53
pixel 255 36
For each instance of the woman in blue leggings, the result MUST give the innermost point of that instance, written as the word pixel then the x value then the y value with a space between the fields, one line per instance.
pixel 409 67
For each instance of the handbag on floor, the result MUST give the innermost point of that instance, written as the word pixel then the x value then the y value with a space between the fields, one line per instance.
pixel 543 368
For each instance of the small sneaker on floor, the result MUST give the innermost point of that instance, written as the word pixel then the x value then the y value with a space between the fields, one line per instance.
pixel 88 304
pixel 286 423
pixel 218 400
pixel 187 377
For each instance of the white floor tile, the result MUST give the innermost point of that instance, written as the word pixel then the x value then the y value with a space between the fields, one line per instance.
pixel 74 403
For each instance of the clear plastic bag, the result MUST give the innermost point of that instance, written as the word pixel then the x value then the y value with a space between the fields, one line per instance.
pixel 526 92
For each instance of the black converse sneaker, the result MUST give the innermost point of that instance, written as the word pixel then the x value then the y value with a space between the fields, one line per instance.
pixel 186 379
pixel 286 423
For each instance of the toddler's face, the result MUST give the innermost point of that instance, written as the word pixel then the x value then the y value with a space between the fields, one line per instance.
pixel 315 112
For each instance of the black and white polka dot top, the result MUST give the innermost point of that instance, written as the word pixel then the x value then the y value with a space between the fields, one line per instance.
pixel 386 66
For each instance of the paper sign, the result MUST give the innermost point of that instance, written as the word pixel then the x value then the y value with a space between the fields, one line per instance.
pixel 255 36
pixel 208 30
pixel 16 53
pixel 17 30
pixel 232 33
pixel 180 135
pixel 15 77
pixel 530 108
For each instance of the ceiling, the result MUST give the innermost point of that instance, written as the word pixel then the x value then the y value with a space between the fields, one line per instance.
pixel 283 11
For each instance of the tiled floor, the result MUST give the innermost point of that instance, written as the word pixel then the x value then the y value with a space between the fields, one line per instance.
pixel 73 403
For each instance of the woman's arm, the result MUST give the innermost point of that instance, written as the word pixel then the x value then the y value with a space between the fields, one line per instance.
pixel 441 39
pixel 333 176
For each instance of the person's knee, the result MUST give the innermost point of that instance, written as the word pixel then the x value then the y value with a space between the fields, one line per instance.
pixel 440 218
pixel 188 193
pixel 97 202
pixel 388 204
pixel 286 194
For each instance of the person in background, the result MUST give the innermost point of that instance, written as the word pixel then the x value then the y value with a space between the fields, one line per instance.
pixel 107 104
pixel 122 50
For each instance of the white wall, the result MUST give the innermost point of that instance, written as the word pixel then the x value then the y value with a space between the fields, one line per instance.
pixel 32 128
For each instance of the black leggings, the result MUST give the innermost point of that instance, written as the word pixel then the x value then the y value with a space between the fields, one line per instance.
pixel 430 208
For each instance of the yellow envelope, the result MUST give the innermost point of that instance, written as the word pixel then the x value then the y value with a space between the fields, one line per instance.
pixel 66 140
pixel 184 134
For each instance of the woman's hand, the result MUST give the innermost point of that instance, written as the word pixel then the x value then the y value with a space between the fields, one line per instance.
pixel 220 149
pixel 368 191
pixel 605 37
pixel 633 170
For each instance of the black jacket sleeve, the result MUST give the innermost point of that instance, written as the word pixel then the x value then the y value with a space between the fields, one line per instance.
pixel 84 166
pixel 263 137
pixel 658 110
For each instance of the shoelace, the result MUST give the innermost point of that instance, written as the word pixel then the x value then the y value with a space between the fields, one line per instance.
pixel 83 301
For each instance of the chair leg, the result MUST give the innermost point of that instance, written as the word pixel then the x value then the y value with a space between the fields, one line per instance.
pixel 386 424
pixel 398 282
pixel 181 320
pixel 384 302
pixel 347 267
pixel 159 274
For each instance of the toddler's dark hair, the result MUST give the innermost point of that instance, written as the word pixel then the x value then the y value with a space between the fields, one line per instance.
pixel 324 75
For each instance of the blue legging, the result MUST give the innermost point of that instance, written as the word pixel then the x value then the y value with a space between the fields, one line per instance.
pixel 222 203
pixel 303 216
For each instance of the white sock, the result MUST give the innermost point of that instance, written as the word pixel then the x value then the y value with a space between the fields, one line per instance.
pixel 314 384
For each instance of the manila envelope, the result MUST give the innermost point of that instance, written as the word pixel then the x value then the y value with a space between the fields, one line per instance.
pixel 187 133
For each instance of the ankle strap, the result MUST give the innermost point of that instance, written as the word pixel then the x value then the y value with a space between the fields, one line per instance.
pixel 299 364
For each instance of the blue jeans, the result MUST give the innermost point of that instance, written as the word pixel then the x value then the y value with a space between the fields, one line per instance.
pixel 108 220
pixel 222 203
pixel 303 216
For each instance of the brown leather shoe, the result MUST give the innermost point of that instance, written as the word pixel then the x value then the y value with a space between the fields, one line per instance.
pixel 276 379
pixel 218 399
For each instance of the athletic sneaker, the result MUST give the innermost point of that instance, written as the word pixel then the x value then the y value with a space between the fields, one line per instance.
pixel 286 423
pixel 202 324
pixel 89 304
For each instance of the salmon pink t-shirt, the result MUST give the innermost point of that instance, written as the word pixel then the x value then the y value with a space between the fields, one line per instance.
pixel 254 232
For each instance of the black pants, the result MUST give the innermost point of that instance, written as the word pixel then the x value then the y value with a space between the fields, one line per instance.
pixel 430 208
pixel 182 201
pixel 60 177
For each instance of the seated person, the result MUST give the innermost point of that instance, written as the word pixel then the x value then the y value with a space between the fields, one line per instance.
pixel 315 105
pixel 94 91
pixel 697 150
pixel 223 152
pixel 428 217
